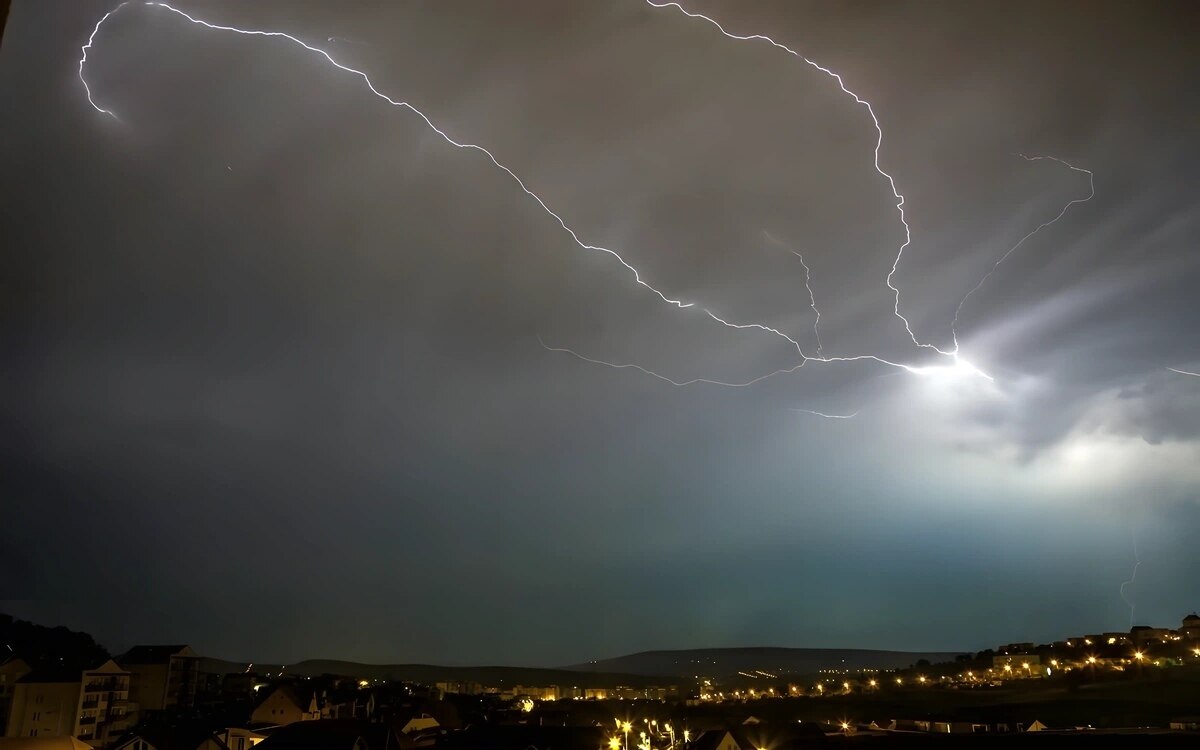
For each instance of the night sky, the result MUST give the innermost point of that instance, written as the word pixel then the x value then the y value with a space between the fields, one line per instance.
pixel 274 376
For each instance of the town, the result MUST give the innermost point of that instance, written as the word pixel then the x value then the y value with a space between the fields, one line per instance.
pixel 59 689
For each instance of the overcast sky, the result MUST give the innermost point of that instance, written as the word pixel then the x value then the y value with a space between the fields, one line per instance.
pixel 272 373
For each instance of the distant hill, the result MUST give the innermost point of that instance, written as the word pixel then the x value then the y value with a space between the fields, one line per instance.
pixel 726 662
pixel 432 673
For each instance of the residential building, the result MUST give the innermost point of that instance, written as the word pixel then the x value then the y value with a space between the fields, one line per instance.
pixel 44 704
pixel 105 711
pixel 163 676
pixel 1190 629
pixel 92 705
pixel 1144 635
pixel 11 670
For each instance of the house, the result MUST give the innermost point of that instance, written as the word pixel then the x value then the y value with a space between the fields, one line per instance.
pixel 1036 726
pixel 240 738
pixel 162 676
pixel 286 704
pixel 92 705
pixel 186 736
pixel 1186 723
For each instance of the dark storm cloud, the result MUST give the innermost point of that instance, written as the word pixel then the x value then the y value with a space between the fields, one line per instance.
pixel 270 340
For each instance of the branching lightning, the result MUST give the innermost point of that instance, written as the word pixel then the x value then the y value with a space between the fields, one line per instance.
pixel 958 364
pixel 1091 194
pixel 878 145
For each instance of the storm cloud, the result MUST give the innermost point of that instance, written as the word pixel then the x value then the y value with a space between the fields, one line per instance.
pixel 274 353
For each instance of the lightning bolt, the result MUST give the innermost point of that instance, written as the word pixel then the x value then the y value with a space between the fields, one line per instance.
pixel 637 276
pixel 959 364
pixel 1133 576
pixel 1091 194
pixel 1185 372
pixel 878 146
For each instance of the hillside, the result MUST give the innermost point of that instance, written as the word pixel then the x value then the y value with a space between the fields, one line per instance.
pixel 725 662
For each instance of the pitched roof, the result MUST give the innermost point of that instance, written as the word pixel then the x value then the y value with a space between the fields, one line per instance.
pixel 329 734
pixel 182 736
pixel 153 654
pixel 300 696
